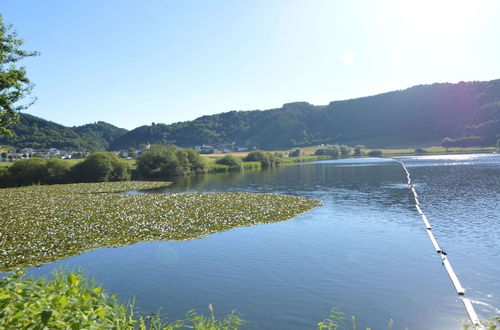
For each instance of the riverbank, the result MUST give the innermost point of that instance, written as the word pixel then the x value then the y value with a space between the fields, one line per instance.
pixel 434 151
pixel 308 156
pixel 74 301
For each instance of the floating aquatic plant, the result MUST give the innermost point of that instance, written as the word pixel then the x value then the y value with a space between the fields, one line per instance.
pixel 40 224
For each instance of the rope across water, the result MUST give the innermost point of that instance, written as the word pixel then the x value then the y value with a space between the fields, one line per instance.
pixel 444 256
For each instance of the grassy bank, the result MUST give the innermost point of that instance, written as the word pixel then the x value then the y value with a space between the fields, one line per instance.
pixel 45 223
pixel 308 156
pixel 72 162
pixel 302 159
pixel 74 302
pixel 213 167
pixel 71 301
pixel 434 151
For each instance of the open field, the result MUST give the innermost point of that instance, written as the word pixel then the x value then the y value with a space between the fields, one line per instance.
pixel 308 155
pixel 435 150
pixel 131 162
pixel 45 223
pixel 217 155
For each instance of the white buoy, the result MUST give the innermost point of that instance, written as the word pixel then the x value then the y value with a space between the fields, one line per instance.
pixel 453 277
pixel 472 314
pixel 426 222
pixel 434 242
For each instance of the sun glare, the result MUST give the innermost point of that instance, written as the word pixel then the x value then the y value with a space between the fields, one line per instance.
pixel 440 18
pixel 347 58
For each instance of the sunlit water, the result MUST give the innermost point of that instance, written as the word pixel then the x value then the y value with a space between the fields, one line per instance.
pixel 364 250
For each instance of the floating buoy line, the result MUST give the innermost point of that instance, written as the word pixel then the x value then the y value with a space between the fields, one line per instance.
pixel 444 256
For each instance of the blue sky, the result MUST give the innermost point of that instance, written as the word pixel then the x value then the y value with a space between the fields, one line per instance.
pixel 131 63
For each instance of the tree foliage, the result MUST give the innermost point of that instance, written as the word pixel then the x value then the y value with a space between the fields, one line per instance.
pixel 345 151
pixel 234 163
pixel 464 141
pixel 28 171
pixel 295 153
pixel 332 151
pixel 71 301
pixel 419 115
pixel 97 167
pixel 101 167
pixel 37 133
pixel 14 82
pixel 375 153
pixel 163 162
pixel 359 150
pixel 266 159
pixel 446 143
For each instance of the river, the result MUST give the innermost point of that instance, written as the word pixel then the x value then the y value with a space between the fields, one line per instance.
pixel 364 251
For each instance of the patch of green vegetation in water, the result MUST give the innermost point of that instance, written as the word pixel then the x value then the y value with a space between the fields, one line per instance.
pixel 42 224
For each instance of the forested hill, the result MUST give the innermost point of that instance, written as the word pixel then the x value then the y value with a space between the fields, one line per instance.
pixel 38 133
pixel 416 116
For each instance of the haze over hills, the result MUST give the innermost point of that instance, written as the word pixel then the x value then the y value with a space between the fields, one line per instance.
pixel 417 116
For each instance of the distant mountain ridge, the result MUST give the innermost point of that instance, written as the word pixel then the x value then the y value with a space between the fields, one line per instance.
pixel 417 116
pixel 38 133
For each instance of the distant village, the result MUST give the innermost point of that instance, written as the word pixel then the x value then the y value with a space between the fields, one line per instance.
pixel 15 154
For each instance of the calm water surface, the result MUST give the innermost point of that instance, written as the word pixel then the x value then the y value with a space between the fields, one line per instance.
pixel 364 250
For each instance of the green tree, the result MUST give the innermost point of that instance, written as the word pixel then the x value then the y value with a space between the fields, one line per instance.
pixel 158 162
pixel 266 159
pixel 58 171
pixel 14 83
pixel 100 167
pixel 345 151
pixel 28 171
pixel 295 153
pixel 498 145
pixel 446 143
pixel 4 177
pixel 161 162
pixel 183 165
pixel 375 153
pixel 359 150
pixel 198 164
pixel 332 151
pixel 234 163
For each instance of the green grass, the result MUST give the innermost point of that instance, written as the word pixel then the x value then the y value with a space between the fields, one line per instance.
pixel 252 165
pixel 308 156
pixel 131 162
pixel 71 301
pixel 301 159
pixel 74 302
pixel 212 167
pixel 435 150
pixel 41 224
